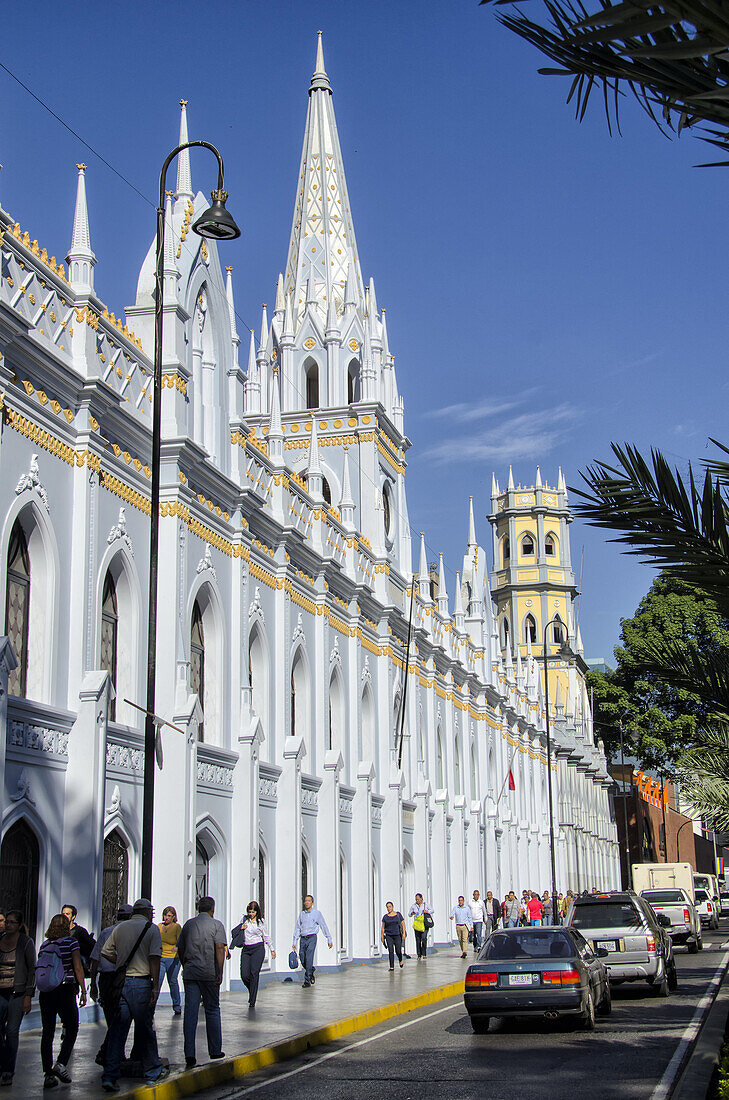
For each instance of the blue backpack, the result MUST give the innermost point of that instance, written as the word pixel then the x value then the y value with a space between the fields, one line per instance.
pixel 49 969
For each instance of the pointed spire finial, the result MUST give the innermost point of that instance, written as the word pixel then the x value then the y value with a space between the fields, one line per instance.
pixel 184 176
pixel 280 303
pixel 80 258
pixel 320 78
pixel 275 431
pixel 510 485
pixel 471 525
pixel 538 482
pixel 231 304
pixel 264 328
pixel 442 599
pixel 458 613
pixel 252 356
pixel 346 502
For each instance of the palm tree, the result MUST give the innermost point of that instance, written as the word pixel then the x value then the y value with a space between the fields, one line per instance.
pixel 674 57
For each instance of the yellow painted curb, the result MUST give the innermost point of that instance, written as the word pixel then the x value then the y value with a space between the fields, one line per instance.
pixel 219 1073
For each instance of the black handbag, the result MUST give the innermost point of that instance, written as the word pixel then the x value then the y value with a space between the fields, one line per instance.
pixel 428 920
pixel 111 985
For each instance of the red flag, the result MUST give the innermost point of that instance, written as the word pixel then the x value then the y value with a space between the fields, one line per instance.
pixel 512 784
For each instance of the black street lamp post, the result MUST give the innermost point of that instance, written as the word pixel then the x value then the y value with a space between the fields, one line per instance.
pixel 217 224
pixel 564 651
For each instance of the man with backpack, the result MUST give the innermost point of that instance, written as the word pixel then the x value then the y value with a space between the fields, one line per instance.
pixel 135 949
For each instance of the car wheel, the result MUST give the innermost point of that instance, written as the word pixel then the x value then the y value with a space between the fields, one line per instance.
pixel 693 947
pixel 606 1004
pixel 700 942
pixel 672 977
pixel 660 988
pixel 588 1020
pixel 480 1024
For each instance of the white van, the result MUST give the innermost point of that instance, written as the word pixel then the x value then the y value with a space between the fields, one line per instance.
pixel 710 883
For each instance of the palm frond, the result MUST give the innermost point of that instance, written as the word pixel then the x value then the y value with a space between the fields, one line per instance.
pixel 673 57
pixel 690 668
pixel 705 777
pixel 682 528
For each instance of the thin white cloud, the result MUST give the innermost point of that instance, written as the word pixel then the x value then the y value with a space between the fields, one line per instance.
pixel 464 412
pixel 528 436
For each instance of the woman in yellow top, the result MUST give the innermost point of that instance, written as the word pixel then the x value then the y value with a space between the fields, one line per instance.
pixel 170 963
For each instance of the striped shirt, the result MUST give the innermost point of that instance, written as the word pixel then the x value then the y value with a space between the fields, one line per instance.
pixel 66 945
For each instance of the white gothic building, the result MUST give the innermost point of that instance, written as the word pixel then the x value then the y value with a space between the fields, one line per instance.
pixel 284 600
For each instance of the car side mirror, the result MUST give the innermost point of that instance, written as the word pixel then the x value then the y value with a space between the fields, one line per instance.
pixel 663 920
pixel 602 952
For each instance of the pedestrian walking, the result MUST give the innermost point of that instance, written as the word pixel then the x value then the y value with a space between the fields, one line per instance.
pixel 535 911
pixel 548 907
pixel 100 972
pixel 252 937
pixel 478 913
pixel 512 910
pixel 17 986
pixel 422 922
pixel 135 949
pixel 461 914
pixel 308 924
pixel 169 966
pixel 202 947
pixel 393 933
pixel 568 899
pixel 59 977
pixel 560 908
pixel 82 936
pixel 494 912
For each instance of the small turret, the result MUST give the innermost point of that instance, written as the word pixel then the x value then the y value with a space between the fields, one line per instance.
pixel 459 618
pixel 442 597
pixel 538 482
pixel 264 329
pixel 346 503
pixel 275 430
pixel 423 574
pixel 314 478
pixel 170 273
pixel 231 308
pixel 510 485
pixel 80 258
pixel 184 175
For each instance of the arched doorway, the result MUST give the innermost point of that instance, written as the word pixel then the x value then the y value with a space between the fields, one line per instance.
pixel 19 869
pixel 115 883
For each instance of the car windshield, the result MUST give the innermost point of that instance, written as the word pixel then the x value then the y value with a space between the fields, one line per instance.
pixel 608 914
pixel 529 945
pixel 701 895
pixel 663 896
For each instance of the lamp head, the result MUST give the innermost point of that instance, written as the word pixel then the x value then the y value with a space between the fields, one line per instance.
pixel 565 652
pixel 216 223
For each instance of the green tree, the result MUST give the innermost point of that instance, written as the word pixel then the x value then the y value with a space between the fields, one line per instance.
pixel 663 715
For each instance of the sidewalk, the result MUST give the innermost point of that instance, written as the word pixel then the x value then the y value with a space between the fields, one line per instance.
pixel 283 1011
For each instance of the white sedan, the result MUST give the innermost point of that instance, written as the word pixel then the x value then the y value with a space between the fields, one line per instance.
pixel 706 909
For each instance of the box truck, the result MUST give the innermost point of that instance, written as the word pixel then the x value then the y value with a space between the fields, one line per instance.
pixel 666 876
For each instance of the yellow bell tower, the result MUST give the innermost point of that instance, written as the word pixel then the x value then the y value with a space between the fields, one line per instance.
pixel 532 580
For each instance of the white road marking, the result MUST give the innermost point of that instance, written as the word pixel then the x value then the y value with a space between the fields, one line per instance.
pixel 344 1050
pixel 665 1084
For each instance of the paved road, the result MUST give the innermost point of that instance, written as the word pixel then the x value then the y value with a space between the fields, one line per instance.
pixel 434 1055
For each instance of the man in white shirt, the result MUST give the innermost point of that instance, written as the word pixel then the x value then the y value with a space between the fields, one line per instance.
pixel 478 912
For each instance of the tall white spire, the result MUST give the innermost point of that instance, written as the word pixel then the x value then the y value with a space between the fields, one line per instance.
pixel 423 575
pixel 184 175
pixel 313 468
pixel 231 305
pixel 471 525
pixel 442 598
pixel 80 258
pixel 322 247
pixel 346 503
pixel 264 328
pixel 170 273
pixel 275 430
pixel 458 614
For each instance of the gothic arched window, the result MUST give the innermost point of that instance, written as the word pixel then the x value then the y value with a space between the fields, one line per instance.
pixel 550 546
pixel 530 629
pixel 19 870
pixel 527 546
pixel 506 549
pixel 505 633
pixel 197 663
pixel 353 387
pixel 17 607
pixel 558 628
pixel 326 491
pixel 109 637
pixel 115 880
pixel 312 387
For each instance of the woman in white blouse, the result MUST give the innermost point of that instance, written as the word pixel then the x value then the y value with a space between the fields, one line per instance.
pixel 252 937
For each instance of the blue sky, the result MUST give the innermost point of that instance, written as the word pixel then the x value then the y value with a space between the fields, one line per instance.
pixel 548 288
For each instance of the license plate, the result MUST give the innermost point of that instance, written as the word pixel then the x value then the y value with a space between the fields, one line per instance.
pixel 520 979
pixel 608 945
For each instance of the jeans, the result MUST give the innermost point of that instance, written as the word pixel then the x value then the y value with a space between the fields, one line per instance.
pixel 58 1002
pixel 171 967
pixel 421 943
pixel 251 961
pixel 307 948
pixel 209 994
pixel 513 922
pixel 11 1014
pixel 535 923
pixel 134 1005
pixel 394 947
pixel 477 929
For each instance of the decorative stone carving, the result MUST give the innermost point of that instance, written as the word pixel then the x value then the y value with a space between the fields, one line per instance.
pixel 206 562
pixel 268 789
pixel 377 816
pixel 39 739
pixel 299 632
pixel 119 531
pixel 255 607
pixel 114 806
pixel 31 481
pixel 124 758
pixel 309 799
pixel 366 674
pixel 345 809
pixel 214 775
pixel 22 789
pixel 335 656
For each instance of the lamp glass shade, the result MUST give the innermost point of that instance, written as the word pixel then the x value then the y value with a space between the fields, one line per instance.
pixel 216 223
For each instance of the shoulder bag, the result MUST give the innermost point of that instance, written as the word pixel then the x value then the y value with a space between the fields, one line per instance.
pixel 111 985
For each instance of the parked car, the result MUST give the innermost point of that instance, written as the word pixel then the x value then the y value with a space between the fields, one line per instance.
pixel 681 911
pixel 548 972
pixel 707 909
pixel 636 939
pixel 724 902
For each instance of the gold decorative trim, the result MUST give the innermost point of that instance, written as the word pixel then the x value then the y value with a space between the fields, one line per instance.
pixel 174 382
